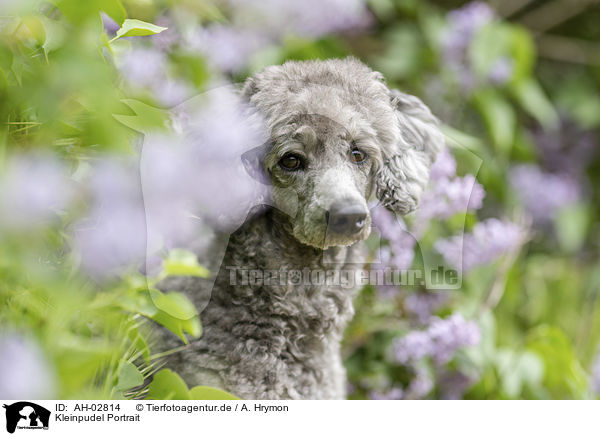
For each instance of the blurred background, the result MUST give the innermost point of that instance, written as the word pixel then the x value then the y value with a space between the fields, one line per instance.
pixel 512 203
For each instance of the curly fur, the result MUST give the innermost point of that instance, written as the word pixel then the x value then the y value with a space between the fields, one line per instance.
pixel 282 341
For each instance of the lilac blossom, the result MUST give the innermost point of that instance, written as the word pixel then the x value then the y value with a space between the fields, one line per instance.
pixel 110 25
pixel 32 190
pixel 198 172
pixel 419 386
pixel 454 384
pixel 501 71
pixel 543 194
pixel 112 236
pixel 439 341
pixel 400 252
pixel 394 393
pixel 448 194
pixel 255 25
pixel 463 24
pixel 421 305
pixel 227 48
pixel 24 370
pixel 567 149
pixel 142 66
pixel 312 18
pixel 489 240
pixel 444 167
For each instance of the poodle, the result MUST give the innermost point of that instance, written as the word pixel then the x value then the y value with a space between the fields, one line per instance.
pixel 339 138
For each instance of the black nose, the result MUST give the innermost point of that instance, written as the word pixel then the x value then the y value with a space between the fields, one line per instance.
pixel 346 218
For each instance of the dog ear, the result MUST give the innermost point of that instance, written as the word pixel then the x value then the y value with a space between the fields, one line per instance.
pixel 405 171
pixel 249 88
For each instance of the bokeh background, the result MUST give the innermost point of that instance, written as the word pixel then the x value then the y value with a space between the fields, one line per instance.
pixel 512 203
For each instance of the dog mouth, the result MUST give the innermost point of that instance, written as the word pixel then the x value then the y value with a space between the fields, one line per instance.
pixel 323 235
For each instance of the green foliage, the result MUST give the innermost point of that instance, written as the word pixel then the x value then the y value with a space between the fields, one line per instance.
pixel 167 385
pixel 538 311
pixel 137 28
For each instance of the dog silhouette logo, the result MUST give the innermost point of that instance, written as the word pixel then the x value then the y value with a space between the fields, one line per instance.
pixel 26 415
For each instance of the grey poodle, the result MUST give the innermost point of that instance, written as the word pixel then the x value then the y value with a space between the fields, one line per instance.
pixel 339 138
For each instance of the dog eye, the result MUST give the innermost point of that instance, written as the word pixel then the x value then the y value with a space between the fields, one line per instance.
pixel 290 162
pixel 357 156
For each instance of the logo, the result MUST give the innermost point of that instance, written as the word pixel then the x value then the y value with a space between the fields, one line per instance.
pixel 26 415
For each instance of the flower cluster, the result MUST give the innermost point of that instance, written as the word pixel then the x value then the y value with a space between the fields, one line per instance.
pixel 463 25
pixel 439 341
pixel 24 371
pixel 421 305
pixel 489 240
pixel 447 193
pixel 33 189
pixel 185 180
pixel 542 194
pixel 255 25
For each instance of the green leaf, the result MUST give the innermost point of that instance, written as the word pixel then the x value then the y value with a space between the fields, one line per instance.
pixel 115 10
pixel 499 118
pixel 532 98
pixel 209 393
pixel 147 119
pixel 502 41
pixel 518 370
pixel 174 303
pixel 572 223
pixel 129 377
pixel 184 263
pixel 563 374
pixel 177 313
pixel 133 27
pixel 167 385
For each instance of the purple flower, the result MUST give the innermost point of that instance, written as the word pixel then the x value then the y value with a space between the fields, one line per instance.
pixel 419 386
pixel 227 48
pixel 110 25
pixel 312 18
pixel 112 236
pixel 489 240
pixel 443 168
pixel 400 252
pixel 543 194
pixel 142 67
pixel 439 341
pixel 24 370
pixel 567 149
pixel 196 175
pixel 255 25
pixel 421 305
pixel 463 23
pixel 448 194
pixel 449 334
pixel 171 92
pixel 454 384
pixel 32 190
pixel 447 198
pixel 501 71
pixel 394 393
pixel 413 346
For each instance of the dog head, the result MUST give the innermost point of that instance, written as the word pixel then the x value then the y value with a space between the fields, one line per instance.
pixel 339 136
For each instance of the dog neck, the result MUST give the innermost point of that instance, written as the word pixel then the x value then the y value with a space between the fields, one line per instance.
pixel 267 275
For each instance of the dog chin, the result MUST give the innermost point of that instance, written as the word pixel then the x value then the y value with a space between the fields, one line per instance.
pixel 331 240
